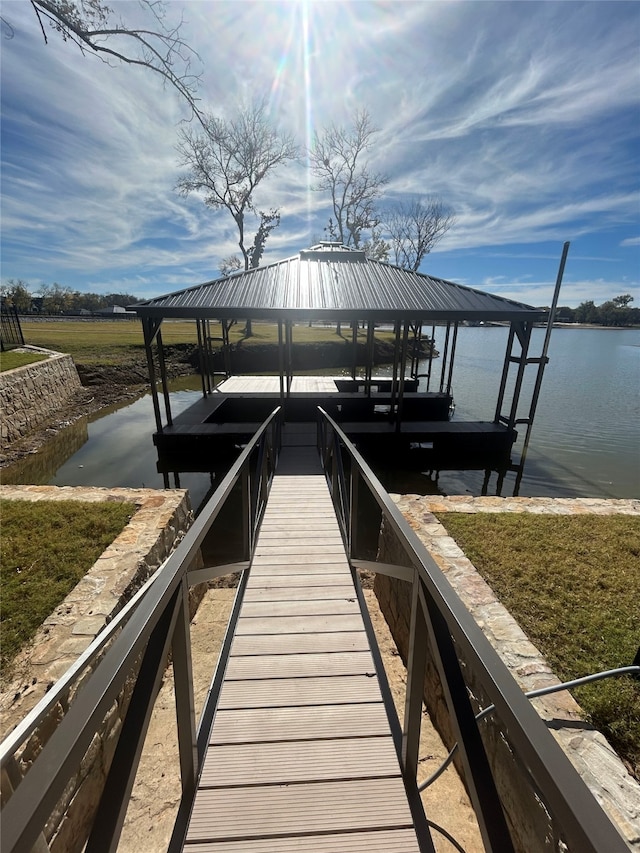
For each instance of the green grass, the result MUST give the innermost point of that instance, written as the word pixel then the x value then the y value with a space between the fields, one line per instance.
pixel 47 547
pixel 10 360
pixel 115 342
pixel 573 585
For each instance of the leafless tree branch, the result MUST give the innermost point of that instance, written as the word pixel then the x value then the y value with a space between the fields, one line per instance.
pixel 93 27
pixel 337 160
pixel 415 227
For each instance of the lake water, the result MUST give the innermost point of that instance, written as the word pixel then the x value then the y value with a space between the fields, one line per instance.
pixel 585 440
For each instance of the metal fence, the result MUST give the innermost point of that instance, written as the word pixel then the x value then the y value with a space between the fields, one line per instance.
pixel 153 626
pixel 10 329
pixel 440 620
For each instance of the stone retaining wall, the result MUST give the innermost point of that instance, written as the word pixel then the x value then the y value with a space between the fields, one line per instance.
pixel 31 394
pixel 157 527
pixel 587 749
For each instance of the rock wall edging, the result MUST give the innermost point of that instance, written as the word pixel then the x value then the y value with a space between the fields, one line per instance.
pixel 600 767
pixel 31 394
pixel 154 531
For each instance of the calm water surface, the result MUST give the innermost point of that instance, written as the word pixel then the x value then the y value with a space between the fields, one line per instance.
pixel 586 435
pixel 585 440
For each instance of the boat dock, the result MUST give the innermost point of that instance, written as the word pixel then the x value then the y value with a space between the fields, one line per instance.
pixel 217 425
pixel 301 755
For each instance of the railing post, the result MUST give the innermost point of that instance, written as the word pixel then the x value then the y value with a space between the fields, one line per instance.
pixel 416 666
pixel 112 809
pixel 477 770
pixel 11 778
pixel 353 514
pixel 245 492
pixel 183 687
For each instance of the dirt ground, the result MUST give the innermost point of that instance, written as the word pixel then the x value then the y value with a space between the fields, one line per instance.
pixel 154 799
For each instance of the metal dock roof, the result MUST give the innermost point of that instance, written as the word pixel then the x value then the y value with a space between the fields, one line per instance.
pixel 336 283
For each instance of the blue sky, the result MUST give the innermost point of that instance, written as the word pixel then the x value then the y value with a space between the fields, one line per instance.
pixel 524 117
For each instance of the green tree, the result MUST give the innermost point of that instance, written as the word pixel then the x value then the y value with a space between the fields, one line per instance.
pixel 18 294
pixel 586 312
pixel 57 298
pixel 622 301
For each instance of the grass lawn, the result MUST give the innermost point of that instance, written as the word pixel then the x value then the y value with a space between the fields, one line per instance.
pixel 47 547
pixel 573 585
pixel 113 342
pixel 10 360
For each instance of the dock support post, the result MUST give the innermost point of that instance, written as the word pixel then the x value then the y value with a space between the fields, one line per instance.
pixel 403 367
pixel 204 370
pixel 149 330
pixel 445 355
pixel 163 379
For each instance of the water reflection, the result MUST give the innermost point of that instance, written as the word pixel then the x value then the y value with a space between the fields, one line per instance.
pixel 39 467
pixel 584 443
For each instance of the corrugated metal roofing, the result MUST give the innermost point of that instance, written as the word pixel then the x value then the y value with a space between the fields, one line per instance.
pixel 325 283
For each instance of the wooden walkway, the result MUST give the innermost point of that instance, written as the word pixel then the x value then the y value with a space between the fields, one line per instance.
pixel 301 756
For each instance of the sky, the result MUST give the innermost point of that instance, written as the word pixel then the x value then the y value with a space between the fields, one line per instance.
pixel 523 117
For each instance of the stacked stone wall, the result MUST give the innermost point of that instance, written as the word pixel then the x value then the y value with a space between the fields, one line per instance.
pixel 31 394
pixel 531 821
pixel 159 524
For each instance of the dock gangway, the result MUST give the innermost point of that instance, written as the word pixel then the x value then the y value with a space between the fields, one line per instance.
pixel 299 746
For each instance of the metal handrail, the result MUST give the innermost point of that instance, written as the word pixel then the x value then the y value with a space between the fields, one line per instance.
pixel 158 624
pixel 439 616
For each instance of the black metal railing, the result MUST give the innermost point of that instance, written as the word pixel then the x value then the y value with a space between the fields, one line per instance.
pixel 440 620
pixel 153 626
pixel 10 329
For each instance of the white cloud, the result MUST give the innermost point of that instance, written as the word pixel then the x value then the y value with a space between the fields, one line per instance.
pixel 527 133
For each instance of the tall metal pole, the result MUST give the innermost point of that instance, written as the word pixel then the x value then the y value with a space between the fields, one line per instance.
pixel 543 362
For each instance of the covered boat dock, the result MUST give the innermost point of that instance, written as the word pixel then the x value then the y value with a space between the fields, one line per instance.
pixel 409 408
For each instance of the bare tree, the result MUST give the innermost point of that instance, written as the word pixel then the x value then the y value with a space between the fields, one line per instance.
pixel 228 162
pixel 229 265
pixel 415 227
pixel 338 160
pixel 94 27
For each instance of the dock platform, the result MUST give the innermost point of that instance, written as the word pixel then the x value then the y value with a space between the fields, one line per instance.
pixel 301 755
pixel 216 426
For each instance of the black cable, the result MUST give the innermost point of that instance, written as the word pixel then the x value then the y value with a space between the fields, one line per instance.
pixel 531 694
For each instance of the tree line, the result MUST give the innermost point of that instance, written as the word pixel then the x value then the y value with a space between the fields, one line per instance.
pixel 614 312
pixel 58 299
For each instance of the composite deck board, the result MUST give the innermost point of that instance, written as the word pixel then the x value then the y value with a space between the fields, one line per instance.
pixel 298 593
pixel 308 723
pixel 300 666
pixel 299 624
pixel 282 644
pixel 271 567
pixel 299 692
pixel 344 606
pixel 298 761
pixel 281 810
pixel 300 755
pixel 394 841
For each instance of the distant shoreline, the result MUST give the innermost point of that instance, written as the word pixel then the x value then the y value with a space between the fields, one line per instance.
pixel 558 325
